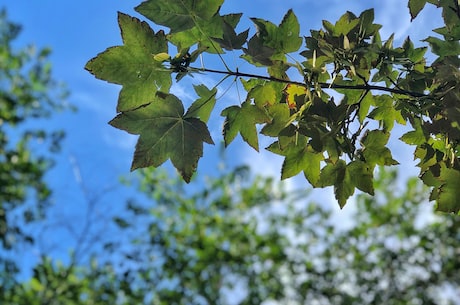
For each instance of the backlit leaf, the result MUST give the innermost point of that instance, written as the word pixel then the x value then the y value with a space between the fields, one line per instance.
pixel 442 47
pixel 299 157
pixel 205 33
pixel 133 65
pixel 336 174
pixel 345 24
pixel 292 91
pixel 448 193
pixel 265 94
pixel 280 115
pixel 415 6
pixel 243 120
pixel 386 112
pixel 178 15
pixel 414 137
pixel 374 149
pixel 230 40
pixel 283 38
pixel 203 106
pixel 257 53
pixel 362 176
pixel 165 134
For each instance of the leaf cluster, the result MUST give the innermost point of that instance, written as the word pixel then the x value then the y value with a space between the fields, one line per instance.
pixel 317 98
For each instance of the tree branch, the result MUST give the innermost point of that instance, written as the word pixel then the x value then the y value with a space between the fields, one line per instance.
pixel 322 85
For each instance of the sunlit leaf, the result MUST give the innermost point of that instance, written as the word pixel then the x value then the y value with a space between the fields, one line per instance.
pixel 279 114
pixel 178 15
pixel 374 149
pixel 448 193
pixel 283 38
pixel 133 65
pixel 362 176
pixel 204 33
pixel 386 112
pixel 243 120
pixel 165 134
pixel 203 106
pixel 292 91
pixel 336 174
pixel 265 94
pixel 414 137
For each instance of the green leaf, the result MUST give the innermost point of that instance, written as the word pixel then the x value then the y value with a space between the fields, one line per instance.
pixel 284 38
pixel 364 107
pixel 266 95
pixel 345 24
pixel 362 176
pixel 205 33
pixel 280 115
pixel 374 149
pixel 133 65
pixel 415 6
pixel 179 15
pixel 414 137
pixel 367 26
pixel 230 40
pixel 257 53
pixel 165 133
pixel 202 107
pixel 448 193
pixel 336 174
pixel 243 120
pixel 35 285
pixel 299 157
pixel 386 112
pixel 443 48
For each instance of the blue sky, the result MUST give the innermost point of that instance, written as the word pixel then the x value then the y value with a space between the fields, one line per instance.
pixel 78 30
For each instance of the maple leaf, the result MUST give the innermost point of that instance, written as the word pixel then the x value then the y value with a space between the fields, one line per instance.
pixel 165 133
pixel 205 32
pixel 283 38
pixel 132 65
pixel 447 191
pixel 346 177
pixel 293 92
pixel 179 15
pixel 375 151
pixel 243 120
pixel 230 40
pixel 203 106
pixel 299 157
pixel 339 176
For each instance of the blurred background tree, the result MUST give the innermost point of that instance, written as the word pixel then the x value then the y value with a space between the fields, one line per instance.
pixel 28 94
pixel 249 240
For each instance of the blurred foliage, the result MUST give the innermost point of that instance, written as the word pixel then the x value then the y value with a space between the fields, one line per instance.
pixel 249 240
pixel 27 94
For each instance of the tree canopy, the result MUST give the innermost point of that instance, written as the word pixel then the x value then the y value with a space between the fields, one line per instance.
pixel 317 99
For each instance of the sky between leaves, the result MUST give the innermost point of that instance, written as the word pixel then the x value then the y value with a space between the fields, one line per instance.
pixel 78 30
